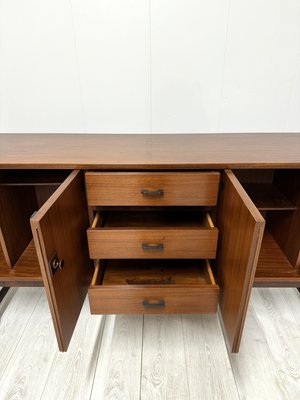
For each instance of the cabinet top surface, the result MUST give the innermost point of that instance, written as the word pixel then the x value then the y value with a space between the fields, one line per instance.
pixel 170 151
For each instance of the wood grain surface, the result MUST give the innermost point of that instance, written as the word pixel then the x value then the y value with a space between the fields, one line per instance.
pixel 192 151
pixel 273 267
pixel 17 203
pixel 32 358
pixel 26 271
pixel 241 231
pixel 267 365
pixel 114 294
pixel 285 226
pixel 118 372
pixel 177 243
pixel 198 369
pixel 59 227
pixel 177 189
pixel 15 309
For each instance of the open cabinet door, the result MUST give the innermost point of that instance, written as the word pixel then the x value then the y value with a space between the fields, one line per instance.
pixel 59 232
pixel 241 228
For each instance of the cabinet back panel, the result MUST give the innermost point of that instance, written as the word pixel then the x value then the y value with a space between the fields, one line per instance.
pixel 17 203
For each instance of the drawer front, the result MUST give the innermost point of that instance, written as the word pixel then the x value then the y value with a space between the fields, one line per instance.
pixel 153 300
pixel 152 243
pixel 152 189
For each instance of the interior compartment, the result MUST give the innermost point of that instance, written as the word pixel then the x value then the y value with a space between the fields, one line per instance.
pixel 153 218
pixel 143 286
pixel 21 194
pixel 276 193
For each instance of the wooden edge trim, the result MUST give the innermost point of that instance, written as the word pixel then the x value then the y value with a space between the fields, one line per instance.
pixel 96 219
pixel 99 172
pixel 253 259
pixel 4 249
pixel 42 258
pixel 210 273
pixel 209 220
pixel 96 272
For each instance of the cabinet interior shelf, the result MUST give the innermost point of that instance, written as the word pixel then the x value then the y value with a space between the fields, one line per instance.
pixel 33 177
pixel 267 197
pixel 26 271
pixel 273 268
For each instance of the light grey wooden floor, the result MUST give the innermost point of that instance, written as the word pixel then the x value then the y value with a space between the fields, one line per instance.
pixel 151 357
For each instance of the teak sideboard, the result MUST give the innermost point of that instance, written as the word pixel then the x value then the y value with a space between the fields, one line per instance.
pixel 150 223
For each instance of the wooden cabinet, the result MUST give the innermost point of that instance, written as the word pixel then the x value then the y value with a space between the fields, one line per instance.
pixel 183 236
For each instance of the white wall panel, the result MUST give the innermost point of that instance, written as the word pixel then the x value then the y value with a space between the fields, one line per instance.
pixel 293 116
pixel 39 89
pixel 141 66
pixel 260 63
pixel 113 38
pixel 187 57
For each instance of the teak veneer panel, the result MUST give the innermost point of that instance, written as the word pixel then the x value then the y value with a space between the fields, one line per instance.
pixel 127 243
pixel 125 188
pixel 178 151
pixel 241 229
pixel 59 226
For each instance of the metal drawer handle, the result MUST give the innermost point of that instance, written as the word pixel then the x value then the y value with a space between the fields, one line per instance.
pixel 152 246
pixel 153 193
pixel 153 303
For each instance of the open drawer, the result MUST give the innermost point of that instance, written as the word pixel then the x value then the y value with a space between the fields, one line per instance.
pixel 152 234
pixel 153 287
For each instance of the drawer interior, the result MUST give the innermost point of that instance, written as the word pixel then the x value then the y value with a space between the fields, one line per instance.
pixel 152 218
pixel 153 272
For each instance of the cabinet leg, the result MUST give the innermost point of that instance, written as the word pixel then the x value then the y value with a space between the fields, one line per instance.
pixel 3 292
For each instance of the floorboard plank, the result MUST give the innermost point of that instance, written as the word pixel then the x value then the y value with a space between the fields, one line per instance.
pixel 185 357
pixel 282 333
pixel 28 368
pixel 119 364
pixel 72 373
pixel 256 367
pixel 15 311
pixel 209 371
pixel 164 374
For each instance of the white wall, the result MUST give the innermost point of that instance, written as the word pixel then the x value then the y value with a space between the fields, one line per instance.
pixel 149 65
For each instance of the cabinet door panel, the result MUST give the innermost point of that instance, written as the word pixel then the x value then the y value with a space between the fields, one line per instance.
pixel 59 228
pixel 241 228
